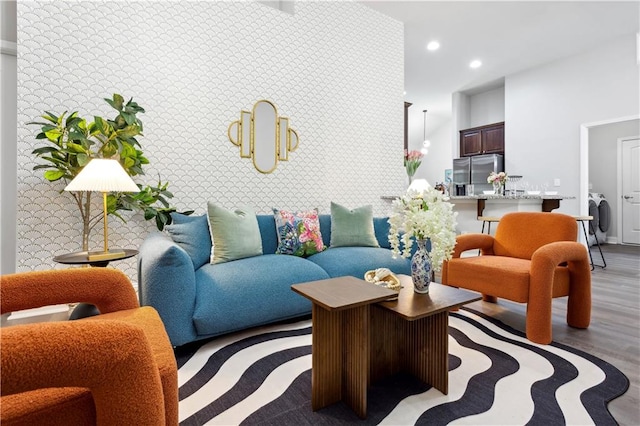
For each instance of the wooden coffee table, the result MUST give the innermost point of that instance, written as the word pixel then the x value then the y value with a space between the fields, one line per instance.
pixel 411 334
pixel 340 339
pixel 356 340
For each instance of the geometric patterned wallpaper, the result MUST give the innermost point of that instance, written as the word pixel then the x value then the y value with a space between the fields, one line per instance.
pixel 334 68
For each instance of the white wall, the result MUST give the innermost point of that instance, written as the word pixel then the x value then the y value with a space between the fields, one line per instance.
pixel 432 167
pixel 468 110
pixel 486 107
pixel 545 106
pixel 603 163
pixel 335 68
pixel 8 114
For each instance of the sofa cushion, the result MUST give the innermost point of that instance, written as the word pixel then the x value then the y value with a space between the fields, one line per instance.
pixel 192 234
pixel 325 228
pixel 511 283
pixel 298 232
pixel 352 227
pixel 252 291
pixel 234 233
pixel 355 261
pixel 381 228
pixel 267 225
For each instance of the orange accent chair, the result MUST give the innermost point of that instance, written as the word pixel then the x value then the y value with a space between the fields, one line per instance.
pixel 532 258
pixel 116 368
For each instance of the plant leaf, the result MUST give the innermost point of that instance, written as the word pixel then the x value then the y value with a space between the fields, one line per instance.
pixel 53 135
pixel 44 150
pixel 129 117
pixel 53 175
pixel 83 159
pixel 50 116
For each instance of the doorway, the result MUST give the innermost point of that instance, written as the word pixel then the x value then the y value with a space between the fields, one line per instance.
pixel 599 166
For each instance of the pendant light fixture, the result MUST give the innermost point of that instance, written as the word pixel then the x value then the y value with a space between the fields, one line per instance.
pixel 425 142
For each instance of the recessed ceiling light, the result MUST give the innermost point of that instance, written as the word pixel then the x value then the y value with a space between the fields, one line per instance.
pixel 475 64
pixel 433 45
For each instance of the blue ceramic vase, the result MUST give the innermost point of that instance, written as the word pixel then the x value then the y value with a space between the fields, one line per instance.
pixel 421 268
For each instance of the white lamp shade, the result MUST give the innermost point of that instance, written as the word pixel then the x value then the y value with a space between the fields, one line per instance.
pixel 104 175
pixel 419 185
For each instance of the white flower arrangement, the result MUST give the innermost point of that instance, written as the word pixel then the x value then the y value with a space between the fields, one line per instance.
pixel 423 214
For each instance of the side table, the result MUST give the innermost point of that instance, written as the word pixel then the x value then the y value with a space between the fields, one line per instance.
pixel 84 310
pixel 340 339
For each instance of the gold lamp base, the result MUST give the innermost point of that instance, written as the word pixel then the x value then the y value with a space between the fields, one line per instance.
pixel 104 255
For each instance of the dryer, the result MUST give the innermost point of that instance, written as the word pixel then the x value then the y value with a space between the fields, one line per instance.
pixel 601 211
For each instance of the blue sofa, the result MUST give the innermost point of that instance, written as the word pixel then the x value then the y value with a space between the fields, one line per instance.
pixel 197 300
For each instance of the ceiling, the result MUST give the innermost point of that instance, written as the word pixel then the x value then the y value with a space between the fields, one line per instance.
pixel 507 36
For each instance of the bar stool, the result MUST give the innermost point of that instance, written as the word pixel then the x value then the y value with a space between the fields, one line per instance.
pixel 488 220
pixel 582 220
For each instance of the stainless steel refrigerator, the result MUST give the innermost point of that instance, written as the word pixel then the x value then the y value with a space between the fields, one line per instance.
pixel 475 170
pixel 481 167
pixel 461 175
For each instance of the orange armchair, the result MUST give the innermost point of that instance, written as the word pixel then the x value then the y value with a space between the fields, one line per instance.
pixel 533 258
pixel 115 368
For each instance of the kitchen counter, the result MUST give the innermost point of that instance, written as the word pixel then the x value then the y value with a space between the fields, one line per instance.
pixel 510 197
pixel 470 207
pixel 549 202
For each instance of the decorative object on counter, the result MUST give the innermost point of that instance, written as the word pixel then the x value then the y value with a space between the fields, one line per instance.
pixel 412 160
pixel 448 176
pixel 384 278
pixel 103 175
pixel 263 136
pixel 424 214
pixel 72 142
pixel 470 189
pixel 512 185
pixel 498 180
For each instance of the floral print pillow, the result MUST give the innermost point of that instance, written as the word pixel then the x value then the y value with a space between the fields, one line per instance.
pixel 298 232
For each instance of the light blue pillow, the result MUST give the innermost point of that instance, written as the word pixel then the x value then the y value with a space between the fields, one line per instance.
pixel 192 234
pixel 351 228
pixel 235 233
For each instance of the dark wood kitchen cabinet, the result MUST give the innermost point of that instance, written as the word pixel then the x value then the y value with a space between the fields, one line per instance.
pixel 488 139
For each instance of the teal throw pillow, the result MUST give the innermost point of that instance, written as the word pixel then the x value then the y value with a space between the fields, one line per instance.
pixel 192 234
pixel 352 227
pixel 235 234
pixel 298 232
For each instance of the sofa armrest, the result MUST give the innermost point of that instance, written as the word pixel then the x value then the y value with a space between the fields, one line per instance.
pixel 166 281
pixel 543 265
pixel 111 358
pixel 466 242
pixel 109 289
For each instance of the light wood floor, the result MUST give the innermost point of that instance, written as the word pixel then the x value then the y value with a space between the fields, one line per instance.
pixel 614 333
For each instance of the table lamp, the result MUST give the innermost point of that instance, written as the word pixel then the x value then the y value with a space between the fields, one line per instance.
pixel 104 175
pixel 419 185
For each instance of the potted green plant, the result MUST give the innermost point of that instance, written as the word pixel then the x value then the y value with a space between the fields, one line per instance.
pixel 72 141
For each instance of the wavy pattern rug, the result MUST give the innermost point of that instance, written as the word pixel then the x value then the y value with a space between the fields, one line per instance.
pixel 496 376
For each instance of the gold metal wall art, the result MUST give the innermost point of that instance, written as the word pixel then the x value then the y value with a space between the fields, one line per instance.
pixel 263 136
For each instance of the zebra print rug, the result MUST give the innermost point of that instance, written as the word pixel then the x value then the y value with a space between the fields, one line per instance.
pixel 496 376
